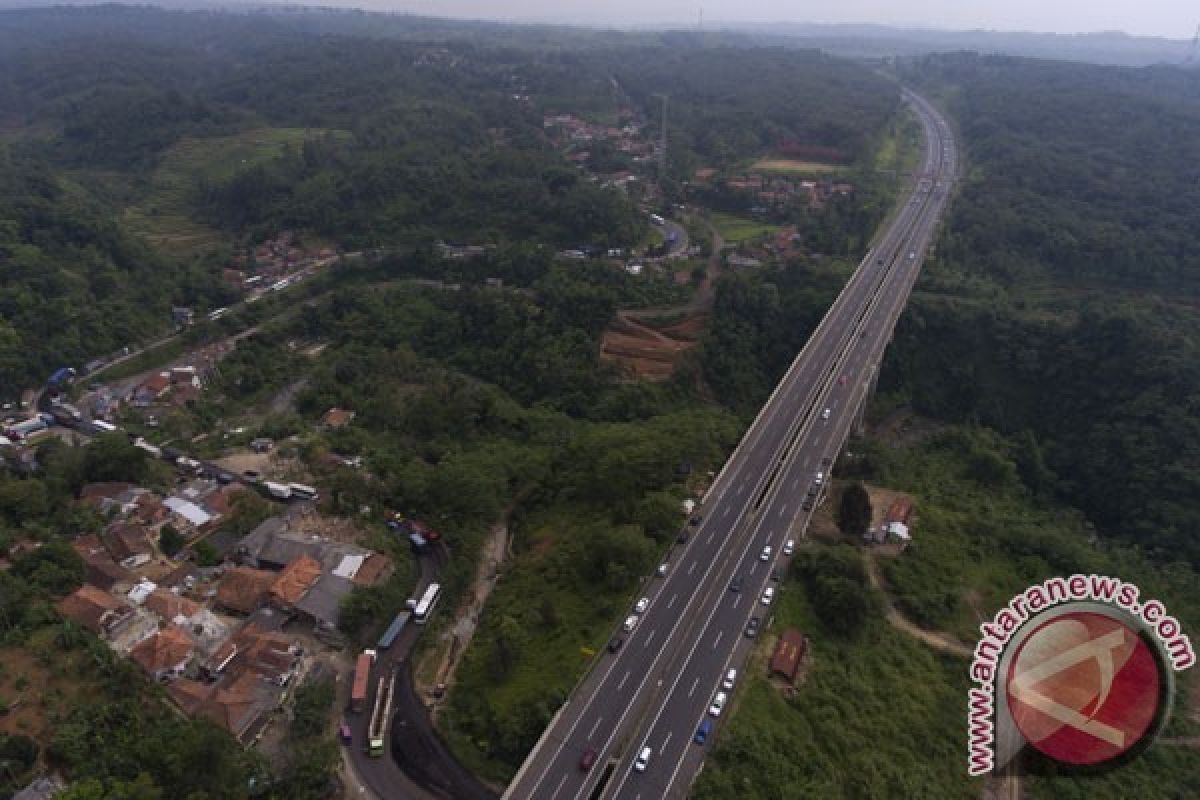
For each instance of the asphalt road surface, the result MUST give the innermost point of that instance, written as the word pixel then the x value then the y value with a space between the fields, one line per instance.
pixel 656 689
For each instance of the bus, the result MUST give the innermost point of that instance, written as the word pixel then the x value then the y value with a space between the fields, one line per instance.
pixel 427 604
pixel 381 715
pixel 303 492
pixel 394 630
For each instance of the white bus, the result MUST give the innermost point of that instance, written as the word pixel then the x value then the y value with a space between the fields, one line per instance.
pixel 427 604
pixel 302 491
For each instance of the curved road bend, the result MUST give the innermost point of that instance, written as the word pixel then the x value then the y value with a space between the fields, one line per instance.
pixel 656 688
pixel 420 766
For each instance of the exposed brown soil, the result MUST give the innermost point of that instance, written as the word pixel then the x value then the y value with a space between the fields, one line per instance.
pixel 646 350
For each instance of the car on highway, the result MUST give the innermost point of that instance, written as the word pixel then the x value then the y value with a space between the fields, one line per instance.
pixel 819 479
pixel 662 569
pixel 643 759
pixel 826 461
pixel 630 623
pixel 718 704
pixel 642 605
pixel 765 555
pixel 911 256
pixel 825 414
pixel 789 547
pixel 735 585
pixel 344 733
pixel 696 520
pixel 588 759
pixel 703 732
pixel 730 679
pixel 682 537
pixel 842 380
pixel 768 595
pixel 752 628
pixel 808 504
pixel 614 644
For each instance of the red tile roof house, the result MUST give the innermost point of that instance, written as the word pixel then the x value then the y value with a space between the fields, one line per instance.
pixel 129 544
pixel 244 589
pixel 241 705
pixel 169 606
pixel 336 418
pixel 152 389
pixel 99 569
pixel 96 610
pixel 165 655
pixel 294 582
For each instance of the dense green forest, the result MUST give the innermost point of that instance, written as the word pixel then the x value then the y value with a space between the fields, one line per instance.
pixel 1068 273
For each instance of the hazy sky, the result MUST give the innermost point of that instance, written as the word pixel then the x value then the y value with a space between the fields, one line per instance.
pixel 1174 18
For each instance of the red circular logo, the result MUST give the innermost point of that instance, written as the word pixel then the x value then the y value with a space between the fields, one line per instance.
pixel 1084 688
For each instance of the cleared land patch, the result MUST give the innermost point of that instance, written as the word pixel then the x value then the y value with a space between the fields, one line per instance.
pixel 793 166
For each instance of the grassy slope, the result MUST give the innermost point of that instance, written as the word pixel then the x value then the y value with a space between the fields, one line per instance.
pixel 162 214
pixel 735 229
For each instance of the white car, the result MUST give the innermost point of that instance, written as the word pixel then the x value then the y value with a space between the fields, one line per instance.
pixel 768 595
pixel 819 479
pixel 766 554
pixel 825 414
pixel 789 547
pixel 730 679
pixel 630 623
pixel 718 703
pixel 643 759
pixel 642 605
pixel 662 569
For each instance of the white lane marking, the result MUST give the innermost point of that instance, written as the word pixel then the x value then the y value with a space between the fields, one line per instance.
pixel 782 510
pixel 795 484
pixel 717 641
pixel 695 683
pixel 737 600
pixel 621 685
pixel 666 741
pixel 727 510
pixel 592 732
pixel 558 788
pixel 649 639
pixel 671 602
pixel 692 568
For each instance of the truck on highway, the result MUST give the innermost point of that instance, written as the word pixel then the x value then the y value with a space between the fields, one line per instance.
pixel 362 680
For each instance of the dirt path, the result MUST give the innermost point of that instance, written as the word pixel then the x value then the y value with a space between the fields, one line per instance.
pixel 941 642
pixel 645 347
pixel 493 554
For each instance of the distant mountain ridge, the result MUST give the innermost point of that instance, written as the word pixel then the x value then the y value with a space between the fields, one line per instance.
pixel 855 40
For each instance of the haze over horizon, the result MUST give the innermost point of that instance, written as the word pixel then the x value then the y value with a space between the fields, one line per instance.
pixel 1173 19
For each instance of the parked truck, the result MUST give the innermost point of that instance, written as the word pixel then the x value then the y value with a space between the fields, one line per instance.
pixel 362 679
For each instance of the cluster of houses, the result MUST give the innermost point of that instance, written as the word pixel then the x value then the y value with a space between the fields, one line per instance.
pixel 777 191
pixel 273 259
pixel 223 639
pixel 568 131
